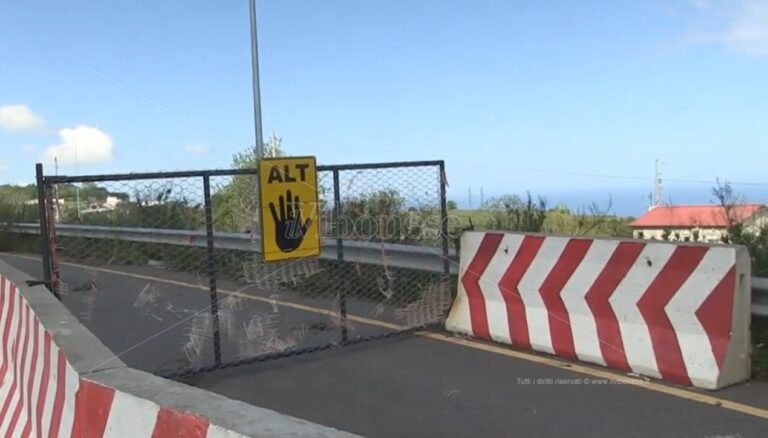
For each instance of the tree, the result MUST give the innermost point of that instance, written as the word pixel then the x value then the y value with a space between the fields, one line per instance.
pixel 236 205
pixel 756 242
pixel 162 206
pixel 92 193
pixel 510 212
pixel 377 216
pixel 13 194
pixel 451 205
pixel 729 200
pixel 274 147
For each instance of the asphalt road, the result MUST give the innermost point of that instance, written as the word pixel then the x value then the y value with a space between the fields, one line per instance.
pixel 160 321
pixel 413 386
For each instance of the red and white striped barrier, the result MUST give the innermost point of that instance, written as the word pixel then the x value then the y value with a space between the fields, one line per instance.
pixel 37 385
pixel 41 395
pixel 670 311
pixel 101 411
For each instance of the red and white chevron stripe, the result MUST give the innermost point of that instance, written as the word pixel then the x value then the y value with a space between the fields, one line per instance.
pixel 41 395
pixel 657 309
pixel 101 411
pixel 37 386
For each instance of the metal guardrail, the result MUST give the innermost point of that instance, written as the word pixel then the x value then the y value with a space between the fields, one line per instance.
pixel 416 257
pixel 396 255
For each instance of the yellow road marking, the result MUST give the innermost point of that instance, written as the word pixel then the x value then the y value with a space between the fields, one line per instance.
pixel 469 343
pixel 288 304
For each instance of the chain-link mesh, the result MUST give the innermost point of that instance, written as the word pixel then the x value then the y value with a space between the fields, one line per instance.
pixel 179 289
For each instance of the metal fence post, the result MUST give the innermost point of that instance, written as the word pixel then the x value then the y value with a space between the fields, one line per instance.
pixel 337 211
pixel 444 220
pixel 337 216
pixel 45 245
pixel 211 262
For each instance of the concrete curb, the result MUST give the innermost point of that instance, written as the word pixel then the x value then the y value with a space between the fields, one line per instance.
pixel 220 411
pixel 84 351
pixel 94 362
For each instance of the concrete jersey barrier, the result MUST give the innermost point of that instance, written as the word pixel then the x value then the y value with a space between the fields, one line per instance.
pixel 677 312
pixel 58 380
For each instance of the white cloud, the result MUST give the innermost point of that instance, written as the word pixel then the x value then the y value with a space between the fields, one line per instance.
pixel 197 149
pixel 4 166
pixel 81 145
pixel 19 118
pixel 740 25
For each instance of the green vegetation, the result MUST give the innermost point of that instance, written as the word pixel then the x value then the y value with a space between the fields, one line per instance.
pixel 756 241
pixel 512 213
pixel 13 194
pixel 14 207
pixel 23 243
pixel 760 348
pixel 89 193
pixel 235 206
pixel 382 216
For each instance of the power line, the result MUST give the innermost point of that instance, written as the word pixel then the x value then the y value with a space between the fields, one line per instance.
pixel 608 176
pixel 566 117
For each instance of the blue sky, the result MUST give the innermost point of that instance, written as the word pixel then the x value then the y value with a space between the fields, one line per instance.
pixel 513 95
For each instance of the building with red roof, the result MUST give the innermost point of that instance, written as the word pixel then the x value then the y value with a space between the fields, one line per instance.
pixel 697 223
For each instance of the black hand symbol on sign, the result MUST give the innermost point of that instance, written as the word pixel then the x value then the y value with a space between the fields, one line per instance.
pixel 289 230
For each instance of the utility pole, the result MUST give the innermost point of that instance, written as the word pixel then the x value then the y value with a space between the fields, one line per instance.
pixel 57 210
pixel 482 198
pixel 256 89
pixel 657 185
pixel 469 198
pixel 77 186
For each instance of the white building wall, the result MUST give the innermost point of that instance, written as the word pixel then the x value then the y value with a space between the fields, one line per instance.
pixel 705 235
pixel 112 201
pixel 753 225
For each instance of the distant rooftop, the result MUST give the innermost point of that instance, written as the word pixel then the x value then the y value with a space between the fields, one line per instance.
pixel 690 216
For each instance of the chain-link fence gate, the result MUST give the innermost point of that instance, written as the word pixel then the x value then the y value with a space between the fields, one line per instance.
pixel 177 255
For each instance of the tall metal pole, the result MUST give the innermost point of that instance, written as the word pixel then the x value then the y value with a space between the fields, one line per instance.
pixel 45 244
pixel 256 90
pixel 77 186
pixel 444 220
pixel 211 262
pixel 339 253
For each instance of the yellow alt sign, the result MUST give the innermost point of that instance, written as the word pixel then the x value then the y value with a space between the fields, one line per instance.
pixel 289 209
